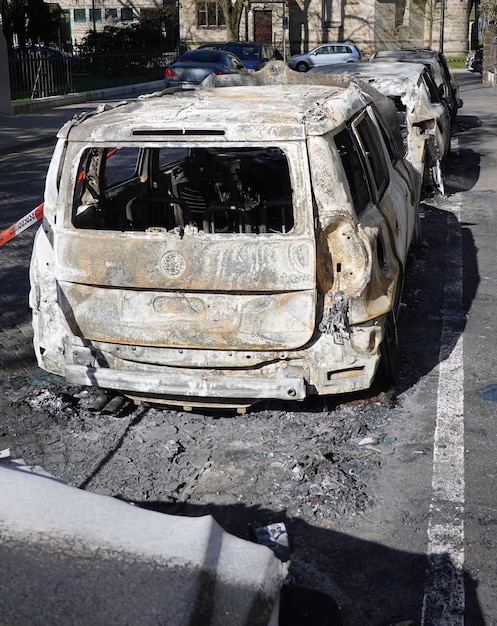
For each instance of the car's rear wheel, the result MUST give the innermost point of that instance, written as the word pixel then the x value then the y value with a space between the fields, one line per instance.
pixel 302 66
pixel 388 368
pixel 432 175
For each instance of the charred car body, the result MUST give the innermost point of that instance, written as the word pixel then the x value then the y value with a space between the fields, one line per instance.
pixel 423 117
pixel 195 254
pixel 438 66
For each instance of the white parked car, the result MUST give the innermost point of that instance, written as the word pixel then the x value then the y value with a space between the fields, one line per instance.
pixel 422 114
pixel 325 54
pixel 243 243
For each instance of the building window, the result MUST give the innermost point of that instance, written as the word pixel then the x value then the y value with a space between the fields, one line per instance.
pixel 210 15
pixel 126 15
pixel 95 15
pixel 111 14
pixel 80 15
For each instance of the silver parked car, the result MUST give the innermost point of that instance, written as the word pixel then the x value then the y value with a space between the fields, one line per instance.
pixel 423 117
pixel 325 54
pixel 244 242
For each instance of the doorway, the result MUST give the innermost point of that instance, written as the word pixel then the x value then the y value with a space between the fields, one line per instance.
pixel 263 26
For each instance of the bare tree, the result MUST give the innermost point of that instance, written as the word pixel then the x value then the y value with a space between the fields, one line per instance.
pixel 488 9
pixel 232 11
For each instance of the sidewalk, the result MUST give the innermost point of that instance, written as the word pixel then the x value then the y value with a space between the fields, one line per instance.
pixel 36 123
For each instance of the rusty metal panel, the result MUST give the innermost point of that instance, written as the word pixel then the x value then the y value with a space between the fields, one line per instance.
pixel 198 263
pixel 251 111
pixel 190 319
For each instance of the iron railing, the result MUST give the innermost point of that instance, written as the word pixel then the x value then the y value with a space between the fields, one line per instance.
pixel 39 77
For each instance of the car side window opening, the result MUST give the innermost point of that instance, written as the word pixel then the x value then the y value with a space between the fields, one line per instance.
pixel 431 88
pixel 372 148
pixel 214 190
pixel 234 62
pixel 354 171
pixel 394 148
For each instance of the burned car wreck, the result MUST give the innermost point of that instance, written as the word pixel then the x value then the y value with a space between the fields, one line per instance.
pixel 225 245
pixel 423 118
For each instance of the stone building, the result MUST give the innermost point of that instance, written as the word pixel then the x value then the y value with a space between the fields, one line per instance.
pixel 297 25
pixel 371 24
pixel 81 16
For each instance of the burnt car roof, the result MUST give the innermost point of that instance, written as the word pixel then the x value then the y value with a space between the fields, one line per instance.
pixel 251 110
pixel 408 53
pixel 377 73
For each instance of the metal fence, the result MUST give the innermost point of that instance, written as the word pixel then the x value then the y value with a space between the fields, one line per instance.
pixel 38 78
pixel 41 76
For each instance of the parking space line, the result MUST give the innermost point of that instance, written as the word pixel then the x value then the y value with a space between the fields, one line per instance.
pixel 444 597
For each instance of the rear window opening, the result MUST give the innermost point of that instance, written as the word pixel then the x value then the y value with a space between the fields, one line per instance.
pixel 213 190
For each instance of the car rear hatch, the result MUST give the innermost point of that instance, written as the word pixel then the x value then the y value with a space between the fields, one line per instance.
pixel 152 260
pixel 188 293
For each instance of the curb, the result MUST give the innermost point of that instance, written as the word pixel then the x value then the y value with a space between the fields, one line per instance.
pixel 76 98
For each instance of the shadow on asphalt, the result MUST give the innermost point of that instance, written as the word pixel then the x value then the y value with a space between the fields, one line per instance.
pixel 367 583
pixel 423 310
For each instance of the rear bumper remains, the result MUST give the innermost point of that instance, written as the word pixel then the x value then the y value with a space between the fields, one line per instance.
pixel 282 376
pixel 82 368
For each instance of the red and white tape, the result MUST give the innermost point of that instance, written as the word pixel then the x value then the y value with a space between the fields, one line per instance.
pixel 35 215
pixel 25 222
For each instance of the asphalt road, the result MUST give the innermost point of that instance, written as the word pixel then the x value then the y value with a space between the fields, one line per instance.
pixel 477 205
pixel 424 551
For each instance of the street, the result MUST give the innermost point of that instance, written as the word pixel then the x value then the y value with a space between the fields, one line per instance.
pixel 389 500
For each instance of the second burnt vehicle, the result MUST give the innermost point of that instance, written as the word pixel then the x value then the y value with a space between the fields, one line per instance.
pixel 423 117
pixel 226 245
pixel 438 66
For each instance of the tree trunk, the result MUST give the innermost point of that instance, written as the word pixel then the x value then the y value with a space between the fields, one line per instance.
pixel 232 14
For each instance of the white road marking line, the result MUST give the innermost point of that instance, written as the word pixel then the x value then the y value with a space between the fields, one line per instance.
pixel 444 598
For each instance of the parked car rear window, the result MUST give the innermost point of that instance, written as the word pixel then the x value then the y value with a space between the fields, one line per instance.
pixel 212 190
pixel 202 56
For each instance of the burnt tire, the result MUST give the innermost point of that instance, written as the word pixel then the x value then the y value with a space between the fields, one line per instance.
pixel 302 66
pixel 388 367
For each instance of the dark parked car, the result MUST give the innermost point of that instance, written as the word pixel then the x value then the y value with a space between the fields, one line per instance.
pixel 437 64
pixel 253 55
pixel 193 66
pixel 39 51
